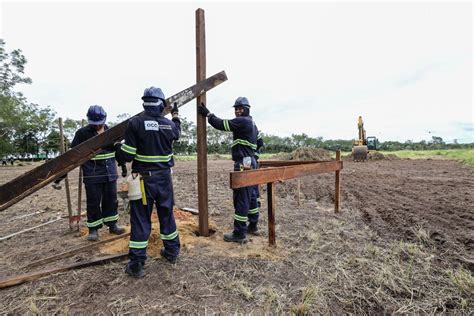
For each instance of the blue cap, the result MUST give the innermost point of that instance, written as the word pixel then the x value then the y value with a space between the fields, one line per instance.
pixel 152 96
pixel 242 101
pixel 96 115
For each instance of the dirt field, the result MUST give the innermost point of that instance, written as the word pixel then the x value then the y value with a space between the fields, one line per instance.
pixel 403 243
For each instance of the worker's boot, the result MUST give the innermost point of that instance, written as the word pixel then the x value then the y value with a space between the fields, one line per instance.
pixel 116 229
pixel 233 237
pixel 135 269
pixel 252 229
pixel 93 235
pixel 171 259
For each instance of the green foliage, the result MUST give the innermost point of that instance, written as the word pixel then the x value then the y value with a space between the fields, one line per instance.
pixel 465 155
pixel 24 126
pixel 12 71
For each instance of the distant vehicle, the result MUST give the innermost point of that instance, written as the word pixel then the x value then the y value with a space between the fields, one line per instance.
pixel 362 145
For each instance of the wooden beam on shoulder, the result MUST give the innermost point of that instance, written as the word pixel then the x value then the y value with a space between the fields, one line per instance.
pixel 33 180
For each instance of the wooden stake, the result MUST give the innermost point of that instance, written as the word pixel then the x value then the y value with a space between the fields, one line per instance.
pixel 201 126
pixel 337 193
pixel 39 274
pixel 66 180
pixel 79 191
pixel 74 251
pixel 271 213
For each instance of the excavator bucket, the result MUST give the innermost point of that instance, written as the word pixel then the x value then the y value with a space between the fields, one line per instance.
pixel 359 153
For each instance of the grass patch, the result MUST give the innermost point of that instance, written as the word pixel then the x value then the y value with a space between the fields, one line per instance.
pixel 307 300
pixel 464 155
pixel 463 280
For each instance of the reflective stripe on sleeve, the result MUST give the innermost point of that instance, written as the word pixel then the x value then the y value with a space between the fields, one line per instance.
pixel 103 156
pixel 226 125
pixel 129 149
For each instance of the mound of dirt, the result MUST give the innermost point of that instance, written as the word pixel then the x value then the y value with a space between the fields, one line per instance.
pixel 188 227
pixel 307 153
pixel 392 157
pixel 375 155
pixel 283 156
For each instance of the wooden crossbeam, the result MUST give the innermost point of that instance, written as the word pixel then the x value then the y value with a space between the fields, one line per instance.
pixel 239 179
pixel 33 180
pixel 72 252
pixel 283 163
pixel 19 279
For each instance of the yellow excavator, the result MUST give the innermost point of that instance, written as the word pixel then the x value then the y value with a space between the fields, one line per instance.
pixel 362 146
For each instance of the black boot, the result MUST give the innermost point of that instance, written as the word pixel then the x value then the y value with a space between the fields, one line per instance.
pixel 233 237
pixel 252 229
pixel 168 257
pixel 93 235
pixel 135 270
pixel 116 229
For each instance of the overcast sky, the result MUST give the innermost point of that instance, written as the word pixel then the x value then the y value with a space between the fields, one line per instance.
pixel 308 67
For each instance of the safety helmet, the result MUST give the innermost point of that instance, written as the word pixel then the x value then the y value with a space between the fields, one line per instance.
pixel 152 97
pixel 96 115
pixel 242 101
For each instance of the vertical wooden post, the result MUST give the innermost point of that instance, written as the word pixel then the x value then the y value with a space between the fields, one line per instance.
pixel 337 193
pixel 79 191
pixel 271 213
pixel 201 126
pixel 66 180
pixel 298 201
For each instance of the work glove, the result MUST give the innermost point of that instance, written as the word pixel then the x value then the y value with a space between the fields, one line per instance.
pixel 56 184
pixel 124 169
pixel 175 111
pixel 203 110
pixel 117 146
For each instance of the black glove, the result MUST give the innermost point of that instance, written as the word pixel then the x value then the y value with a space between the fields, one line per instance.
pixel 124 170
pixel 117 146
pixel 175 111
pixel 56 184
pixel 203 110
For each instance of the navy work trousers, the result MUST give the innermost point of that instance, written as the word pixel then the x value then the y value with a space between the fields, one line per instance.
pixel 159 192
pixel 245 203
pixel 101 204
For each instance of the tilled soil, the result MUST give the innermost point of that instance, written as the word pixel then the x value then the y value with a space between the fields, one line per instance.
pixel 403 242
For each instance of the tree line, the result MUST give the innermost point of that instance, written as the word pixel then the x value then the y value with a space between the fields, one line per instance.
pixel 29 129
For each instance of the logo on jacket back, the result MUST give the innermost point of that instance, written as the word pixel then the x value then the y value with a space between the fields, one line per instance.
pixel 151 125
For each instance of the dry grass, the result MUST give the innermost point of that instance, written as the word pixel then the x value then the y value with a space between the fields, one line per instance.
pixel 463 280
pixel 308 296
pixel 349 270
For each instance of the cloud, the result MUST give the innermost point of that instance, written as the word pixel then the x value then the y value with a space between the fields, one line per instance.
pixel 306 67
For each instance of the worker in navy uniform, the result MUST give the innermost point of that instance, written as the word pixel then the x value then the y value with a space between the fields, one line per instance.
pixel 99 177
pixel 244 145
pixel 148 143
